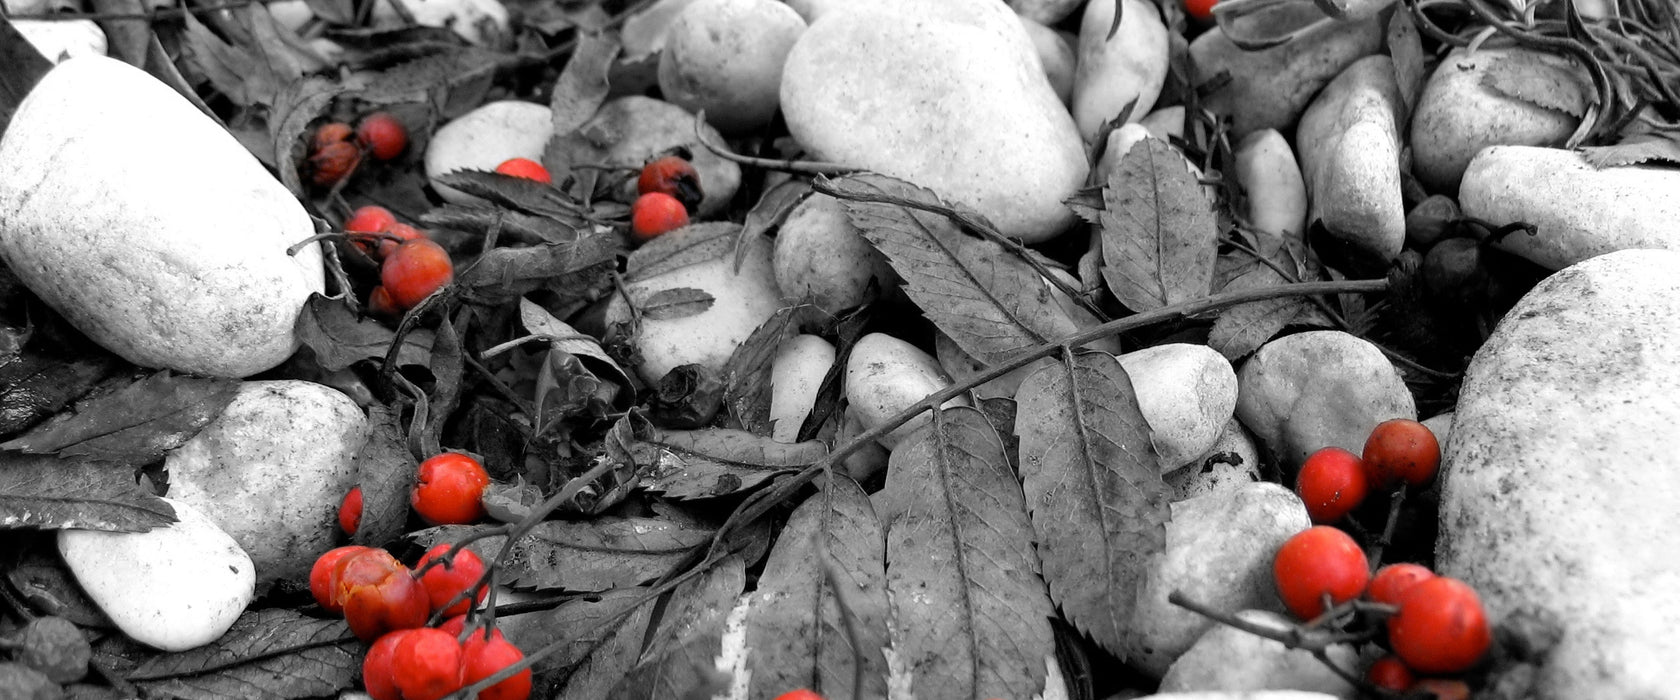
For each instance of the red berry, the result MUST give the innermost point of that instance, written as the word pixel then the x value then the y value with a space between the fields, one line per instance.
pixel 1401 450
pixel 426 665
pixel 333 162
pixel 1200 10
pixel 1442 688
pixel 482 658
pixel 377 675
pixel 458 624
pixel 1441 627
pixel 655 213
pixel 370 219
pixel 800 694
pixel 331 133
pixel 673 176
pixel 350 511
pixel 1318 561
pixel 382 135
pixel 445 580
pixel 1331 483
pixel 1390 673
pixel 450 490
pixel 414 270
pixel 323 576
pixel 379 594
pixel 396 235
pixel 1392 581
pixel 380 304
pixel 525 168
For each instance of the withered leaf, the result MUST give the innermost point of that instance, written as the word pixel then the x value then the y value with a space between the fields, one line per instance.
pixel 675 303
pixel 588 556
pixel 604 639
pixel 340 339
pixel 1406 47
pixel 747 374
pixel 583 85
pixel 771 210
pixel 575 268
pixel 294 108
pixel 1539 80
pixel 134 424
pixel 526 228
pixel 1159 234
pixel 697 244
pixel 39 382
pixel 270 654
pixel 562 336
pixel 385 470
pixel 519 194
pixel 453 81
pixel 1098 503
pixel 688 638
pixel 796 627
pixel 45 492
pixel 1647 149
pixel 970 612
pixel 715 462
pixel 1242 329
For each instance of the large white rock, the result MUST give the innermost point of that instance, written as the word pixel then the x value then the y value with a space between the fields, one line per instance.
pixel 272 470
pixel 724 57
pixel 1226 658
pixel 1304 392
pixel 1219 553
pixel 949 95
pixel 147 225
pixel 173 588
pixel 1560 480
pixel 483 138
pixel 1350 161
pixel 1187 392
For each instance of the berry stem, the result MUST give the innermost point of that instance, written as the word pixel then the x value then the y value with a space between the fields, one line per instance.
pixel 1383 541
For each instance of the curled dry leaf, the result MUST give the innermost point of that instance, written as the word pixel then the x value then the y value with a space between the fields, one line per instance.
pixel 48 493
pixel 715 462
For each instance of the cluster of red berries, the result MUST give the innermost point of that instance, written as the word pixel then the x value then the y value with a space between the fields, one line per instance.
pixel 1334 481
pixel 668 191
pixel 411 264
pixel 337 149
pixel 449 490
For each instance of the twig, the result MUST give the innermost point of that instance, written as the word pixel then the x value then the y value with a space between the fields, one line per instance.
pixel 1388 527
pixel 802 167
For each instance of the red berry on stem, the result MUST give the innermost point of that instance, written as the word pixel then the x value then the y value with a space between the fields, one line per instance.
pixel 445 580
pixel 383 135
pixel 450 490
pixel 333 163
pixel 350 511
pixel 323 583
pixel 1331 483
pixel 370 219
pixel 426 665
pixel 414 270
pixel 525 168
pixel 331 133
pixel 482 658
pixel 1390 673
pixel 1441 627
pixel 673 176
pixel 655 213
pixel 1392 581
pixel 1401 450
pixel 1318 561
pixel 396 235
pixel 379 594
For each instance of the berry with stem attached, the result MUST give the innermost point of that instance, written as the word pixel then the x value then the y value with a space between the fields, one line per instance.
pixel 1441 627
pixel 1318 562
pixel 482 658
pixel 1401 450
pixel 447 579
pixel 1331 483
pixel 414 270
pixel 426 665
pixel 383 135
pixel 450 490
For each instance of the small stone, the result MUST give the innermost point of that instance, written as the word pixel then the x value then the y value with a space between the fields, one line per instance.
pixel 1458 114
pixel 1219 553
pixel 272 470
pixel 1231 462
pixel 822 259
pixel 1226 658
pixel 885 375
pixel 1304 392
pixel 1350 160
pixel 20 682
pixel 1187 392
pixel 173 588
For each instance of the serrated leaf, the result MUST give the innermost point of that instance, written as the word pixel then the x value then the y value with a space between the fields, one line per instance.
pixel 990 302
pixel 453 80
pixel 603 641
pixel 1645 149
pixel 571 269
pixel 1098 504
pixel 796 627
pixel 25 66
pixel 1537 80
pixel 714 462
pixel 563 337
pixel 519 226
pixel 587 556
pixel 747 374
pixel 386 472
pixel 970 613
pixel 48 493
pixel 583 86
pixel 271 654
pixel 682 654
pixel 1242 329
pixel 340 339
pixel 1406 48
pixel 1159 234
pixel 771 210
pixel 134 424
pixel 294 108
pixel 675 303
pixel 41 381
pixel 518 193
pixel 698 243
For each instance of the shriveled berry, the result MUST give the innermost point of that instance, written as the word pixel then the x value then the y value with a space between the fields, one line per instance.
pixel 331 133
pixel 323 576
pixel 1392 581
pixel 426 665
pixel 1401 450
pixel 1331 483
pixel 1441 627
pixel 380 303
pixel 350 511
pixel 673 176
pixel 414 270
pixel 379 594
pixel 525 168
pixel 655 213
pixel 1316 562
pixel 333 162
pixel 450 490
pixel 446 579
pixel 53 646
pixel 482 658
pixel 383 135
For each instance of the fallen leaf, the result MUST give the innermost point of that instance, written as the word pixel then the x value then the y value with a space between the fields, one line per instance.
pixel 1159 235
pixel 1537 80
pixel 301 102
pixel 1646 149
pixel 386 472
pixel 747 373
pixel 1406 48
pixel 587 556
pixel 339 338
pixel 712 462
pixel 577 270
pixel 270 654
pixel 47 493
pixel 134 424
pixel 604 640
pixel 583 86
pixel 1242 329
pixel 682 652
pixel 699 243
pixel 38 383
pixel 1099 506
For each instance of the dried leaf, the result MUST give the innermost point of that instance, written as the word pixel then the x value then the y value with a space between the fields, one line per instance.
pixel 527 228
pixel 970 614
pixel 583 85
pixel 520 194
pixel 796 627
pixel 1242 329
pixel 294 108
pixel 24 67
pixel 1647 149
pixel 135 424
pixel 125 40
pixel 233 70
pixel 1159 235
pixel 992 303
pixel 715 462
pixel 385 470
pixel 340 339
pixel 1099 506
pixel 747 374
pixel 698 243
pixel 561 336
pixel 771 210
pixel 48 493
pixel 605 641
pixel 588 556
pixel 34 386
pixel 1406 48
pixel 569 269
pixel 271 654
pixel 453 81
pixel 333 11
pixel 1539 81
pixel 685 644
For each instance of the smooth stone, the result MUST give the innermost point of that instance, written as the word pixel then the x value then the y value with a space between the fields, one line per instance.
pixel 644 32
pixel 1579 211
pixel 1128 68
pixel 856 90
pixel 724 57
pixel 1269 88
pixel 272 470
pixel 1350 161
pixel 1234 460
pixel 1057 55
pixel 173 588
pixel 57 40
pixel 1187 393
pixel 479 22
pixel 1560 479
pixel 1045 12
pixel 629 131
pixel 115 223
pixel 1219 553
pixel 1307 391
pixel 795 376
pixel 1229 659
pixel 822 259
pixel 485 137
pixel 1441 426
pixel 885 375
pixel 1457 115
